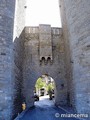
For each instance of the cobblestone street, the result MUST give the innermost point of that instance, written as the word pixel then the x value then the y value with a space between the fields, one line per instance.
pixel 45 110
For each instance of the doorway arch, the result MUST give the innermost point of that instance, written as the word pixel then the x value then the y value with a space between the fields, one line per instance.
pixel 44 90
pixel 60 90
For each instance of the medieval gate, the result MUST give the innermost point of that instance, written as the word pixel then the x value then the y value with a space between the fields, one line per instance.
pixel 44 54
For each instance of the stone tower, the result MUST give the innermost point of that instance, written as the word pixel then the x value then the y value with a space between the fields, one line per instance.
pixel 7 89
pixel 44 54
pixel 19 24
pixel 7 8
pixel 76 29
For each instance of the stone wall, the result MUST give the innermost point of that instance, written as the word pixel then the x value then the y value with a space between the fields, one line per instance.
pixel 7 8
pixel 19 20
pixel 77 14
pixel 68 60
pixel 33 67
pixel 18 74
pixel 45 42
pixel 19 24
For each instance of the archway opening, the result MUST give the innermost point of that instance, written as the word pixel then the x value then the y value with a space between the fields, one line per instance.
pixel 44 91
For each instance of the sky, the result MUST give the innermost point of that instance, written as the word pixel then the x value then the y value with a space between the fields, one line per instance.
pixel 43 12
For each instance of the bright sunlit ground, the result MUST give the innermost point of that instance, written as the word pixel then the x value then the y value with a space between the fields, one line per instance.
pixel 43 12
pixel 44 101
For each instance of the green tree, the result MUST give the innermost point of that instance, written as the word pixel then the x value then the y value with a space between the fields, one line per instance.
pixel 50 87
pixel 40 84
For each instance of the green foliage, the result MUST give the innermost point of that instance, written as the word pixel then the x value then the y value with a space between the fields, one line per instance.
pixel 40 84
pixel 50 87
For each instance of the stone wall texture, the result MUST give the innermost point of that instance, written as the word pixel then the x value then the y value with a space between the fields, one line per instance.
pixel 45 41
pixel 19 24
pixel 68 60
pixel 34 67
pixel 7 8
pixel 77 23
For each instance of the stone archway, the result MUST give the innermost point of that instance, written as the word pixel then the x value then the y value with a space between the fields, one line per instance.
pixel 60 91
pixel 44 91
pixel 43 55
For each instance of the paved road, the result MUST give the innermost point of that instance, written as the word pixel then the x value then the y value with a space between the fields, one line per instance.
pixel 45 110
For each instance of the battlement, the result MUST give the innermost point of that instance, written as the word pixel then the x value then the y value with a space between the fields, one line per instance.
pixel 35 30
pixel 43 34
